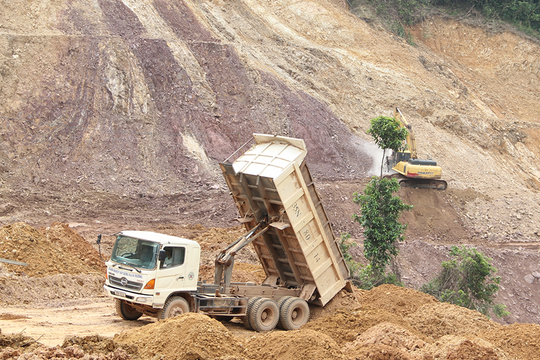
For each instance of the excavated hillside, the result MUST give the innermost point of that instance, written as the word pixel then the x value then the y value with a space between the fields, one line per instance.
pixel 116 113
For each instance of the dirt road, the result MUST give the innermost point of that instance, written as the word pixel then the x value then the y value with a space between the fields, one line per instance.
pixel 81 318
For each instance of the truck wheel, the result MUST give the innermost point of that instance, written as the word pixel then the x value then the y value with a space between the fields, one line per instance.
pixel 293 313
pixel 249 307
pixel 126 311
pixel 176 305
pixel 280 303
pixel 264 316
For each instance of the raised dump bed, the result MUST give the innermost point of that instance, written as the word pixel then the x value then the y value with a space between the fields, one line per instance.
pixel 271 185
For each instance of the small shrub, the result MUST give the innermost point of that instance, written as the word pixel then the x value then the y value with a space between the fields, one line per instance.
pixel 467 280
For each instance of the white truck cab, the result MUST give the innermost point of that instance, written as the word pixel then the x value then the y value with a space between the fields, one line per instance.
pixel 147 268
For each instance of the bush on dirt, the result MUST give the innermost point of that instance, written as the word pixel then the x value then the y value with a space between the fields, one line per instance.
pixel 467 280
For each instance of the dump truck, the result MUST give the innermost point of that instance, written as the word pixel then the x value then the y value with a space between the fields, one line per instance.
pixel 270 183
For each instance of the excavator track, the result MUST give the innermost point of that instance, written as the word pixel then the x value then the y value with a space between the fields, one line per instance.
pixel 424 184
pixel 418 183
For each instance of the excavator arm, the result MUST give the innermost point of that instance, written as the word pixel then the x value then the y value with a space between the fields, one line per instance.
pixel 411 141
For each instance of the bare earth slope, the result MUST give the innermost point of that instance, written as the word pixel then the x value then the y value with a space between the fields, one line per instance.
pixel 115 114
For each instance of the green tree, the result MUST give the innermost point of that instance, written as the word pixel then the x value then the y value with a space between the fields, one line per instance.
pixel 362 276
pixel 380 212
pixel 388 133
pixel 467 280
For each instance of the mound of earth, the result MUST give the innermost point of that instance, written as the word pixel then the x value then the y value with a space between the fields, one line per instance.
pixel 70 241
pixel 21 242
pixel 16 341
pixel 386 334
pixel 57 352
pixel 521 341
pixel 395 299
pixel 49 290
pixel 344 326
pixel 438 319
pixel 452 347
pixel 194 336
pixel 96 344
pixel 344 300
pixel 299 345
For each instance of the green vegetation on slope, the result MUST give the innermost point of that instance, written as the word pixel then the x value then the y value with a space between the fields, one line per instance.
pixel 395 14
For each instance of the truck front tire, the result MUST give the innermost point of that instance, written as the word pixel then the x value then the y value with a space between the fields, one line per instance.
pixel 126 311
pixel 176 305
pixel 264 315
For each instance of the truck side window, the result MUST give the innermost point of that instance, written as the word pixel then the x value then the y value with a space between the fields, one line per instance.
pixel 175 256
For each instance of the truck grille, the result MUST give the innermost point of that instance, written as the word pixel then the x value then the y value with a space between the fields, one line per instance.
pixel 126 284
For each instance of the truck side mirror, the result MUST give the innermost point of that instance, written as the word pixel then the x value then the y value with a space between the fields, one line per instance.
pixel 98 241
pixel 162 255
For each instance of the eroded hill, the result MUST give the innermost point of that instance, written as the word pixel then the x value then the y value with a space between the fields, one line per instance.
pixel 115 114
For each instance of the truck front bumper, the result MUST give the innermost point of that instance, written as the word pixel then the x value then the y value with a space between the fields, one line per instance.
pixel 129 296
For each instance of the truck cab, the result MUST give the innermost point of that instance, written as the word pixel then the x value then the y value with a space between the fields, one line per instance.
pixel 147 269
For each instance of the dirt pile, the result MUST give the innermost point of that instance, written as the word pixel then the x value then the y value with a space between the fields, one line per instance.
pixel 70 241
pixel 384 340
pixel 61 265
pixel 521 341
pixel 21 242
pixel 298 345
pixel 370 325
pixel 51 290
pixel 57 352
pixel 195 336
pixel 439 319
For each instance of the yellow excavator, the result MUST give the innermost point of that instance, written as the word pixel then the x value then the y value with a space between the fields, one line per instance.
pixel 411 171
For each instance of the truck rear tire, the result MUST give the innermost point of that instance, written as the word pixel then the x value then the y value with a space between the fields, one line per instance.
pixel 176 305
pixel 249 307
pixel 264 316
pixel 280 303
pixel 126 311
pixel 293 313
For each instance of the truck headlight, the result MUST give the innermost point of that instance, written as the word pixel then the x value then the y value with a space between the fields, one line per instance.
pixel 141 299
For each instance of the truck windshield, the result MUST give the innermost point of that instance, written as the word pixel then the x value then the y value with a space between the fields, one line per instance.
pixel 135 252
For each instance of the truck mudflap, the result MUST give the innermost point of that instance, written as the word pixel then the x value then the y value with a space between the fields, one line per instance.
pixel 220 306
